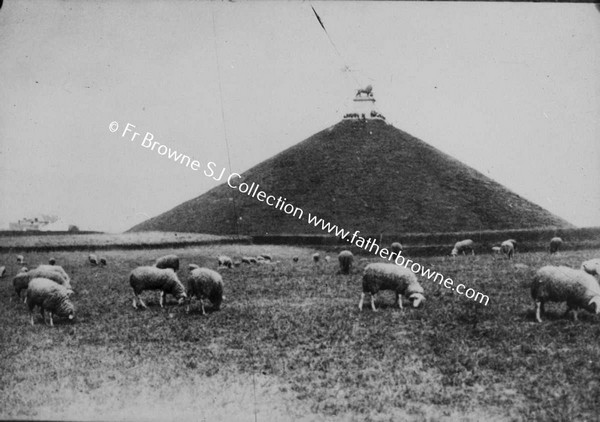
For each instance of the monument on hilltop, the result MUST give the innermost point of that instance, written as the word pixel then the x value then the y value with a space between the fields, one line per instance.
pixel 364 106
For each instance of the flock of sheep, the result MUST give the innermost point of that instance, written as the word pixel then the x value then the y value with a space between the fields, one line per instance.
pixel 49 286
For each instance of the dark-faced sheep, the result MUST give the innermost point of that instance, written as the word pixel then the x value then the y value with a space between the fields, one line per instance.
pixel 555 244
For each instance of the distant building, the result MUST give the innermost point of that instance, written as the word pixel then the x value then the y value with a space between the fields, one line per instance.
pixel 43 223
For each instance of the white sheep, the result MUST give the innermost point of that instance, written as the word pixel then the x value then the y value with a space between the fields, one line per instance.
pixel 192 267
pixel 52 261
pixel 507 248
pixel 345 259
pixel 514 242
pixel 168 261
pixel 496 250
pixel 463 246
pixel 23 278
pixel 591 266
pixel 205 283
pixel 555 244
pixel 224 261
pixel 103 261
pixel 20 259
pixel 57 269
pixel 93 259
pixel 2 271
pixel 316 257
pixel 382 276
pixel 564 284
pixel 50 297
pixel 267 257
pixel 153 278
pixel 327 258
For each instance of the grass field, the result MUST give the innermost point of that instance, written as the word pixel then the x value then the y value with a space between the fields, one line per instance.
pixel 290 344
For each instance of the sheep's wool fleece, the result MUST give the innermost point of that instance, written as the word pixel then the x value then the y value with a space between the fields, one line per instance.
pixel 559 284
pixel 168 261
pixel 381 276
pixel 152 278
pixel 204 282
pixel 49 296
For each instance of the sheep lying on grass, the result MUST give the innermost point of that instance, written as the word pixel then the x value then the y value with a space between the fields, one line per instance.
pixel 345 258
pixel 205 283
pixel 22 279
pixel 267 257
pixel 564 284
pixel 168 261
pixel 507 248
pixel 153 278
pixel 463 246
pixel 383 276
pixel 592 266
pixel 555 244
pixel 93 259
pixel 224 261
pixel 50 297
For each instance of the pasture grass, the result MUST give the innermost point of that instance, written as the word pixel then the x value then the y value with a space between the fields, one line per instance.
pixel 290 344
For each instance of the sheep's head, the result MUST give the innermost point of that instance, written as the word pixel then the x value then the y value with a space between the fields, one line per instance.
pixel 454 252
pixel 591 267
pixel 416 299
pixel 595 304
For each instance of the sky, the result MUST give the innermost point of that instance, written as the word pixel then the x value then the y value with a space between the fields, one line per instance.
pixel 510 89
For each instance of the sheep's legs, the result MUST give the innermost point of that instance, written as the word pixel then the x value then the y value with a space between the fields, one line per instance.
pixel 399 300
pixel 135 296
pixel 538 306
pixel 202 305
pixel 373 302
pixel 162 299
pixel 362 299
pixel 51 323
pixel 31 314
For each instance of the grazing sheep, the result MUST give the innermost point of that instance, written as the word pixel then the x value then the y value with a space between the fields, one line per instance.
pixel 153 278
pixel 564 284
pixel 57 269
pixel 592 266
pixel 507 248
pixel 267 257
pixel 295 259
pixel 345 258
pixel 224 261
pixel 192 267
pixel 20 259
pixel 205 283
pixel 23 270
pixel 496 250
pixel 383 276
pixel 2 271
pixel 235 263
pixel 168 261
pixel 22 279
pixel 103 261
pixel 52 261
pixel 463 246
pixel 50 297
pixel 555 244
pixel 246 260
pixel 93 259
pixel 396 248
pixel 514 242
pixel 327 258
pixel 316 257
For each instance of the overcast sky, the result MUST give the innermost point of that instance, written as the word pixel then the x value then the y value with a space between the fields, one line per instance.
pixel 511 89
